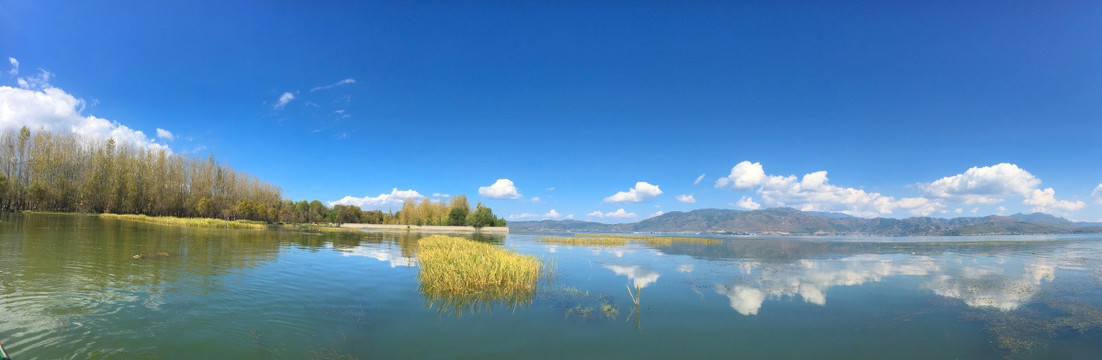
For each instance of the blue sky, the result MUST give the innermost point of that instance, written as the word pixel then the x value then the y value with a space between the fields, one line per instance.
pixel 911 108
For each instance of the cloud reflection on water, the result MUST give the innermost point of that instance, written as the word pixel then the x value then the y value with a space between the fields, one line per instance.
pixel 640 276
pixel 1000 285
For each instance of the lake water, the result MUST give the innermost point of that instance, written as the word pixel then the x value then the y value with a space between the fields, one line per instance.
pixel 70 288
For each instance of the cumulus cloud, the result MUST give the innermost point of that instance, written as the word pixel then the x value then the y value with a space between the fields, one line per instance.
pixel 380 202
pixel 656 213
pixel 621 213
pixel 1044 200
pixel 283 100
pixel 550 215
pixel 1097 194
pixel 744 176
pixel 686 198
pixel 984 185
pixel 501 189
pixel 333 85
pixel 165 134
pixel 813 193
pixel 748 203
pixel 39 106
pixel 699 179
pixel 40 82
pixel 642 191
pixel 14 66
pixel 993 184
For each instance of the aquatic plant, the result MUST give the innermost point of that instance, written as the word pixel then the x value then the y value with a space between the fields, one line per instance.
pixel 464 275
pixel 584 241
pixel 192 222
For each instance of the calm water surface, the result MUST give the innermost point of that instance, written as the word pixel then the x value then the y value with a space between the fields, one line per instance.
pixel 70 288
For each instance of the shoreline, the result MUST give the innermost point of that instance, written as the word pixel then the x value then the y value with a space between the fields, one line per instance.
pixel 428 228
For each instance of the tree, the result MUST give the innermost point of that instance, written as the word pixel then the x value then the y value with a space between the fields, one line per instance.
pixel 481 217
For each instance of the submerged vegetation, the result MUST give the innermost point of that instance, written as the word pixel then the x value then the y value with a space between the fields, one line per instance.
pixel 464 275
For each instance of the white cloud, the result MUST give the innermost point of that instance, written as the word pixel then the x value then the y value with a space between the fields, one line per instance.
pixel 1097 194
pixel 333 85
pixel 1044 200
pixel 40 82
pixel 52 109
pixel 283 100
pixel 501 189
pixel 656 213
pixel 551 214
pixel 1001 210
pixel 439 195
pixel 393 199
pixel 974 210
pixel 813 193
pixel 699 179
pixel 744 176
pixel 621 213
pixel 983 185
pixel 14 66
pixel 686 198
pixel 642 191
pixel 165 134
pixel 537 200
pixel 550 188
pixel 748 203
pixel 993 184
pixel 958 211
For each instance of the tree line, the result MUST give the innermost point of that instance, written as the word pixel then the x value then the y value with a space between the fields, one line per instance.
pixel 65 172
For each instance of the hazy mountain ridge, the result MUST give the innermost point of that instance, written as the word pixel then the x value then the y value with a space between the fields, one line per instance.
pixel 788 221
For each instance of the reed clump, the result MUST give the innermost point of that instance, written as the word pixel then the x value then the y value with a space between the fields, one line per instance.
pixel 461 274
pixel 191 222
pixel 584 241
pixel 622 239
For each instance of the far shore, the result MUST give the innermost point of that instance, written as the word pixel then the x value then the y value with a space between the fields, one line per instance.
pixel 428 228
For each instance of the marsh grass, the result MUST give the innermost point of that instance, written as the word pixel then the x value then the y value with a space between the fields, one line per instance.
pixel 586 239
pixel 190 222
pixel 462 275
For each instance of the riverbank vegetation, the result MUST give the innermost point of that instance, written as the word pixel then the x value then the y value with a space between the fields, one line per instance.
pixel 583 239
pixel 464 275
pixel 64 172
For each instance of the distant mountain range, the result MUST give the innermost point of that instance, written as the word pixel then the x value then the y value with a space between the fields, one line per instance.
pixel 788 221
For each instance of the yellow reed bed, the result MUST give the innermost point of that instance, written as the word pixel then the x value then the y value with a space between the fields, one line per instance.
pixel 584 241
pixel 464 274
pixel 649 240
pixel 192 222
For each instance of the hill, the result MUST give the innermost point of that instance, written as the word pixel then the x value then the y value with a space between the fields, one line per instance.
pixel 788 221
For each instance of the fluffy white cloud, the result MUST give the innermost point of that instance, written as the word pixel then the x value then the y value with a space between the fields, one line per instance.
pixel 537 200
pixel 984 185
pixel 51 109
pixel 621 213
pixel 642 191
pixel 165 134
pixel 439 195
pixel 993 184
pixel 393 199
pixel 686 198
pixel 744 176
pixel 501 189
pixel 14 66
pixel 813 193
pixel 552 214
pixel 333 85
pixel 1044 200
pixel 748 203
pixel 699 179
pixel 656 213
pixel 1097 194
pixel 283 100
